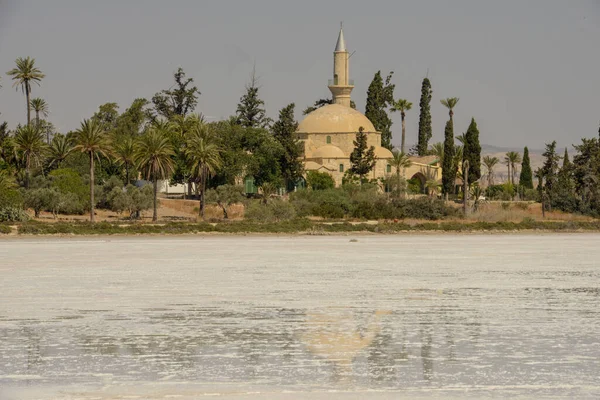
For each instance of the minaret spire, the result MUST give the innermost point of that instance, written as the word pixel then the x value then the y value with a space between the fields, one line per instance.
pixel 341 43
pixel 341 86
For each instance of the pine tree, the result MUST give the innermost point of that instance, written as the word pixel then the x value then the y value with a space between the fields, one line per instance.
pixel 448 171
pixel 251 111
pixel 180 100
pixel 362 158
pixel 379 97
pixel 472 152
pixel 284 130
pixel 526 177
pixel 425 131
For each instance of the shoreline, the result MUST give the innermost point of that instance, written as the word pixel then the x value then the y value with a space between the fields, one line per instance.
pixel 349 234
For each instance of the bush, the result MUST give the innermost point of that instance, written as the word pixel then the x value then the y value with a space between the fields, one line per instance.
pixel 277 210
pixel 13 214
pixel 329 203
pixel 42 200
pixel 5 229
pixel 521 205
pixel 69 183
pixel 316 180
pixel 131 199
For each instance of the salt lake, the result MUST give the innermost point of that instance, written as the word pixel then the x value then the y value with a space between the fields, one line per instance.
pixel 320 317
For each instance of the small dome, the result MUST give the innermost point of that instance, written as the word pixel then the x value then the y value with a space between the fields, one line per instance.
pixel 335 118
pixel 382 152
pixel 328 151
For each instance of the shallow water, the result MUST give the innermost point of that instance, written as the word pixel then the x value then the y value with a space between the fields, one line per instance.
pixel 413 316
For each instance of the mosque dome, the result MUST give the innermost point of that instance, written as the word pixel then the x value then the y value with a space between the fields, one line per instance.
pixel 328 151
pixel 382 152
pixel 335 118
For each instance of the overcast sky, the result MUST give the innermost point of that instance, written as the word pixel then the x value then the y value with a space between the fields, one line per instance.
pixel 528 71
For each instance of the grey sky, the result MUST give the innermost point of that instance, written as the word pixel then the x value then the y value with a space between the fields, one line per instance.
pixel 528 71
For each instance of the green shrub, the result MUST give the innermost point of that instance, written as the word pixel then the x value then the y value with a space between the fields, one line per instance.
pixel 5 229
pixel 43 199
pixel 68 182
pixel 522 205
pixel 505 205
pixel 316 180
pixel 274 211
pixel 329 203
pixel 13 214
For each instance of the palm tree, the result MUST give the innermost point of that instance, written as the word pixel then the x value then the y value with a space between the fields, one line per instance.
pixel 514 160
pixel 30 142
pixel 432 185
pixel 40 106
pixel 124 152
pixel 60 148
pixel 450 103
pixel 25 73
pixel 437 149
pixel 403 106
pixel 153 153
pixel 511 159
pixel 490 163
pixel 400 161
pixel 91 138
pixel 462 138
pixel 204 155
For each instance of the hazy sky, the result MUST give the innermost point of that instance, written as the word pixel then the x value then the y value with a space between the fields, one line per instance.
pixel 528 71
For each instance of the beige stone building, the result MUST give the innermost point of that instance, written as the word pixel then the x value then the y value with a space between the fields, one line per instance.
pixel 328 132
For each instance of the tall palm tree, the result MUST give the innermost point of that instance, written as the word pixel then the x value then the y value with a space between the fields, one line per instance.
pixel 489 164
pixel 400 161
pixel 124 152
pixel 204 155
pixel 511 159
pixel 450 103
pixel 402 105
pixel 25 73
pixel 40 106
pixel 60 148
pixel 30 143
pixel 153 153
pixel 91 138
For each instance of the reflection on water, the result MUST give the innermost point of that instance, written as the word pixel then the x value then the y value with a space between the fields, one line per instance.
pixel 316 327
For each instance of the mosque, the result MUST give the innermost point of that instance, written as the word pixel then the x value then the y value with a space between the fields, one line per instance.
pixel 328 132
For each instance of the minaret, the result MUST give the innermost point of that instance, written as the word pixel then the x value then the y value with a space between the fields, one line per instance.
pixel 341 86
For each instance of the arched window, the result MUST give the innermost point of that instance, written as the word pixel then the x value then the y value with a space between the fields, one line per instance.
pixel 341 167
pixel 335 79
pixel 389 168
pixel 328 139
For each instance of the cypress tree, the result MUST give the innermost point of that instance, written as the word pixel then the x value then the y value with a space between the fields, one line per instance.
pixel 549 171
pixel 472 152
pixel 425 131
pixel 448 171
pixel 565 176
pixel 362 158
pixel 526 177
pixel 379 97
pixel 284 130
